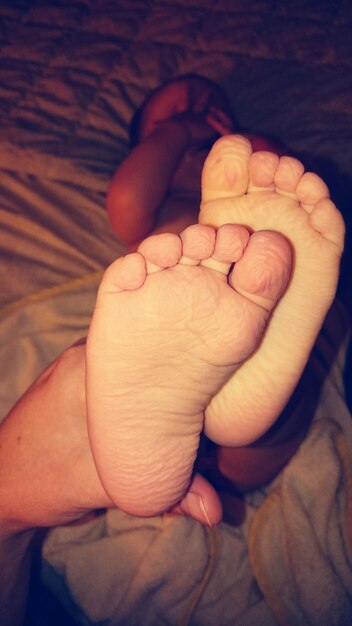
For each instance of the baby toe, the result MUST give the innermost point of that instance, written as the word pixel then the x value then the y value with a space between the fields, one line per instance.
pixel 198 243
pixel 125 274
pixel 161 251
pixel 231 241
pixel 287 176
pixel 262 169
pixel 326 219
pixel 310 189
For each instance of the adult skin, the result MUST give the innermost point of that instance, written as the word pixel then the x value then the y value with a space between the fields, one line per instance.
pixel 47 472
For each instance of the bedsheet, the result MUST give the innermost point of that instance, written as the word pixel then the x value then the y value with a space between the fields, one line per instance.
pixel 72 73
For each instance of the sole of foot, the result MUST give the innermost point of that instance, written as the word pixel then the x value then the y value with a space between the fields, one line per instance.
pixel 263 191
pixel 170 326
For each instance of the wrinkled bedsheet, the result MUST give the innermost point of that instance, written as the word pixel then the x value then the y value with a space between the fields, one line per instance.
pixel 72 73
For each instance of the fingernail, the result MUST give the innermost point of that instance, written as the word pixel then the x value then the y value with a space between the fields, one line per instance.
pixel 198 508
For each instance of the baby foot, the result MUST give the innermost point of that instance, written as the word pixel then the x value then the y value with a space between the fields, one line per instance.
pixel 265 191
pixel 169 328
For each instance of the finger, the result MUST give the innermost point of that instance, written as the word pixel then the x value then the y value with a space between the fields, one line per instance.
pixel 201 502
pixel 199 100
pixel 218 126
pixel 202 104
pixel 222 117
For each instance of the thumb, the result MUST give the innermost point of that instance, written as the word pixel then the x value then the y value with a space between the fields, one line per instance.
pixel 201 502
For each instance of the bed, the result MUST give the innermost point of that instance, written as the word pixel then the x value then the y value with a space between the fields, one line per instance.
pixel 72 74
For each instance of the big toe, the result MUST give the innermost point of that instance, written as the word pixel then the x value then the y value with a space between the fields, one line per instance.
pixel 225 172
pixel 264 271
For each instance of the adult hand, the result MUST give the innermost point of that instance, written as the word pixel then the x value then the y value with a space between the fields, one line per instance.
pixel 48 475
pixel 220 121
pixel 194 102
pixel 199 130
